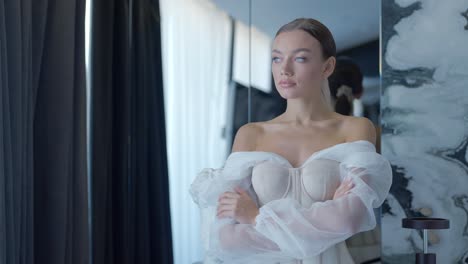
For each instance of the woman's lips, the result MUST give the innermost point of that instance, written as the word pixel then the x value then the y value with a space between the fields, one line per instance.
pixel 286 84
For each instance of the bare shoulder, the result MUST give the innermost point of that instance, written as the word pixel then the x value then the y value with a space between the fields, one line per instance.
pixel 359 128
pixel 246 137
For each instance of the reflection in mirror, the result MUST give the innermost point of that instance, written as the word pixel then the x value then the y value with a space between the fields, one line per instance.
pixel 205 62
pixel 217 77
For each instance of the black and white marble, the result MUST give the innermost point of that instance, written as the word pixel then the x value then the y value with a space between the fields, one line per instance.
pixel 425 125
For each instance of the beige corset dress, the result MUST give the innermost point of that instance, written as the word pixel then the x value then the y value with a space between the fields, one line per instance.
pixel 298 220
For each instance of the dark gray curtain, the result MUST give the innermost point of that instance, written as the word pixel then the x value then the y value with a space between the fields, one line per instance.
pixel 43 182
pixel 130 190
pixel 17 95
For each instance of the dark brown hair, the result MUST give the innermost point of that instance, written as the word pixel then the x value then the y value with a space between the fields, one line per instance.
pixel 318 30
pixel 348 73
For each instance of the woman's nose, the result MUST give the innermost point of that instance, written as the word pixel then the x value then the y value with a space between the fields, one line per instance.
pixel 286 69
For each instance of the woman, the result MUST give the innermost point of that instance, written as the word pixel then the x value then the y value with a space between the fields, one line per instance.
pixel 294 187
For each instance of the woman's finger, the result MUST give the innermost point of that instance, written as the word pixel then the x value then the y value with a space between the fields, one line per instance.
pixel 226 207
pixel 343 185
pixel 346 183
pixel 239 190
pixel 225 200
pixel 225 213
pixel 229 195
pixel 347 187
pixel 343 189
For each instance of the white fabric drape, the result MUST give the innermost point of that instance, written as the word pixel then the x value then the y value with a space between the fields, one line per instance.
pixel 196 39
pixel 284 230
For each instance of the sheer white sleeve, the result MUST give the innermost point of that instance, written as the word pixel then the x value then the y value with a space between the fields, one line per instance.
pixel 205 183
pixel 285 230
pixel 208 185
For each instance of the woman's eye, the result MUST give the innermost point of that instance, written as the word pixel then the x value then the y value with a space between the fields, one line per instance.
pixel 275 59
pixel 300 59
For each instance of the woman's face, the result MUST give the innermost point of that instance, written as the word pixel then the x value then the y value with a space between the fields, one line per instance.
pixel 298 66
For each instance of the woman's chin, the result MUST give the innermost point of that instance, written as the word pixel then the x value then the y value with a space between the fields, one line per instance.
pixel 289 94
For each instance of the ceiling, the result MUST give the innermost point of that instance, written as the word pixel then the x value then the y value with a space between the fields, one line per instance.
pixel 352 23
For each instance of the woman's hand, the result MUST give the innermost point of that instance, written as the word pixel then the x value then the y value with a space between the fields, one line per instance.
pixel 238 205
pixel 343 189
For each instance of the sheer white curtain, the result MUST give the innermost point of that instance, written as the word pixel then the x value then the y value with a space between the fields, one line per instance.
pixel 196 40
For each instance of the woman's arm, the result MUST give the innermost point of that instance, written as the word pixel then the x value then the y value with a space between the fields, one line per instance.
pixel 285 229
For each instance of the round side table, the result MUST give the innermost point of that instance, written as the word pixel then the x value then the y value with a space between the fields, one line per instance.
pixel 425 223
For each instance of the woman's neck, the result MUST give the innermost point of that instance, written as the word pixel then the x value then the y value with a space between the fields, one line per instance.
pixel 300 112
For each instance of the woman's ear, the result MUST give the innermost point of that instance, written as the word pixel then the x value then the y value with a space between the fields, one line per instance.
pixel 329 66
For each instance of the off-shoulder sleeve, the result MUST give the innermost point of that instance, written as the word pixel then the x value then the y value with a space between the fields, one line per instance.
pixel 208 185
pixel 212 182
pixel 284 230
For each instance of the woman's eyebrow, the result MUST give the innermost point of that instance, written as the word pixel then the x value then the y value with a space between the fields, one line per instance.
pixel 294 51
pixel 276 51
